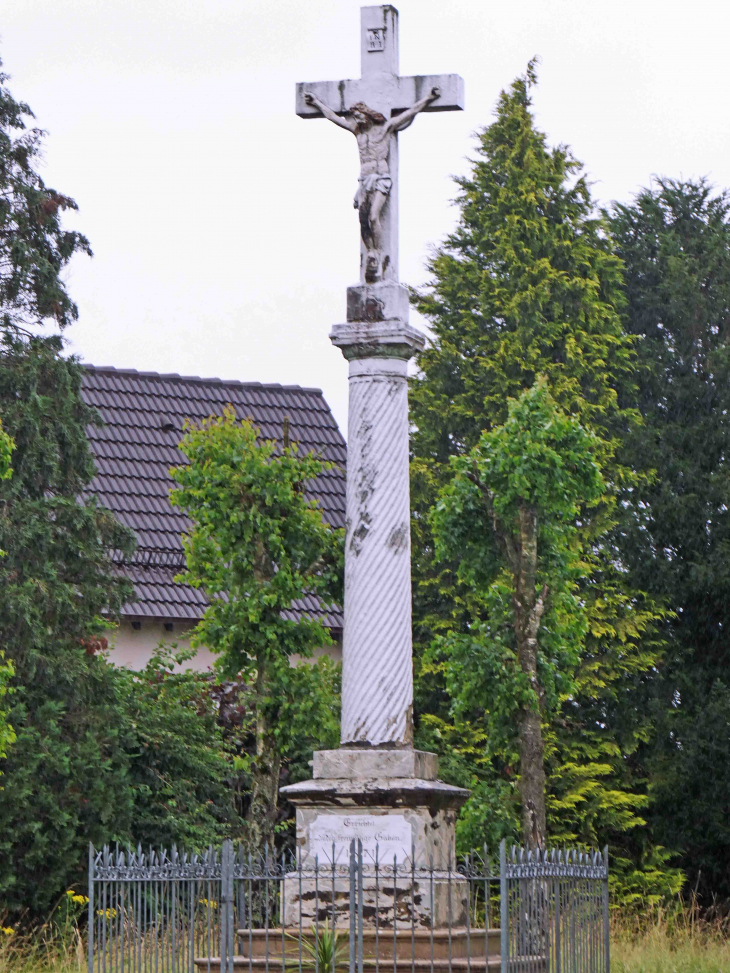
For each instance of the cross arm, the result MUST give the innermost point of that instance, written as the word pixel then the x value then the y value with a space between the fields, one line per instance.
pixel 388 94
pixel 337 95
pixel 414 88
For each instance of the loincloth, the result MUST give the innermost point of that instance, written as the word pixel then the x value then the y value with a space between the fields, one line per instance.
pixel 372 182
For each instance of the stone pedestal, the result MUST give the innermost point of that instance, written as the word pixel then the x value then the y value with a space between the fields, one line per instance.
pixel 404 816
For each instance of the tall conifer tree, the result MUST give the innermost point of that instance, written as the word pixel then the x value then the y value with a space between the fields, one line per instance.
pixel 674 239
pixel 526 286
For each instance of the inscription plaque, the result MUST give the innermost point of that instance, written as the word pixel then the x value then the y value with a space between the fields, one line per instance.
pixel 391 834
pixel 376 38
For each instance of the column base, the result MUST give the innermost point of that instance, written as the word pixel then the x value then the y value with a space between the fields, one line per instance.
pixel 392 802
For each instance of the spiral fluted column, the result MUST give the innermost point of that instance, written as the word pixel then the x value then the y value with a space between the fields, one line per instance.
pixel 377 682
pixel 377 668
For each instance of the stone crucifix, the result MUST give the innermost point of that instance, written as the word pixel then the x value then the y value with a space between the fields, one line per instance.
pixel 376 787
pixel 375 107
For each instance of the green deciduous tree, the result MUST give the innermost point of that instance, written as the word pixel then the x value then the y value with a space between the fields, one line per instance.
pixel 528 285
pixel 257 544
pixel 179 764
pixel 675 242
pixel 508 517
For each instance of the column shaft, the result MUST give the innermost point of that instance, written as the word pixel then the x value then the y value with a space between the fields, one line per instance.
pixel 377 678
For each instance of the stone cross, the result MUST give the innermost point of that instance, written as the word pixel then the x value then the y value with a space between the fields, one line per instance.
pixel 377 689
pixel 374 108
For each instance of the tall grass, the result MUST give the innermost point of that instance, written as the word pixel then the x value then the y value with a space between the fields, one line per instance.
pixel 677 939
pixel 42 953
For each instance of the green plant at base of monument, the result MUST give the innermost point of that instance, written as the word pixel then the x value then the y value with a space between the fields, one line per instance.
pixel 257 544
pixel 528 285
pixel 330 950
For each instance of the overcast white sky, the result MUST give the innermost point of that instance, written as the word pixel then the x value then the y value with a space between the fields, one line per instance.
pixel 222 224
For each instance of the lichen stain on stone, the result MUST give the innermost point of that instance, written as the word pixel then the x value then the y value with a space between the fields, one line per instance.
pixel 360 533
pixel 398 539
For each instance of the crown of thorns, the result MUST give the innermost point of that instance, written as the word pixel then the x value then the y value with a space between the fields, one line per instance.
pixel 370 113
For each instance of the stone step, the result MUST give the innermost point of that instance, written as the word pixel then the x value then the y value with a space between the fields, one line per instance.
pixel 460 943
pixel 462 964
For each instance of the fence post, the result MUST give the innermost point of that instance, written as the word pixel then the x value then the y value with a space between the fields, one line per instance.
pixel 359 908
pixel 353 907
pixel 606 927
pixel 90 929
pixel 226 907
pixel 503 906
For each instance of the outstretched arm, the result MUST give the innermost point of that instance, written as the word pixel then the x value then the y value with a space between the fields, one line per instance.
pixel 405 118
pixel 312 100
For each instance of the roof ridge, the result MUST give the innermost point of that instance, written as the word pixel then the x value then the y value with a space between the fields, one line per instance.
pixel 174 376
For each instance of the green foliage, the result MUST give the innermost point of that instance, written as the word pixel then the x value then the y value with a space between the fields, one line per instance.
pixel 675 241
pixel 691 791
pixel 179 764
pixel 7 733
pixel 258 539
pixel 100 755
pixel 508 519
pixel 63 779
pixel 258 545
pixel 34 247
pixel 528 285
pixel 64 770
pixel 6 451
pixel 544 458
pixel 330 950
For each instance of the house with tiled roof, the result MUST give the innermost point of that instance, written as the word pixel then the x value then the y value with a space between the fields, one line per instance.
pixel 143 415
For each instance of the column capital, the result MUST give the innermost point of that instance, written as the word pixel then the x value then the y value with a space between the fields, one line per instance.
pixel 377 323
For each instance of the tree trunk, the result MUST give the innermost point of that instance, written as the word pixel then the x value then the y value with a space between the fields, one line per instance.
pixel 264 805
pixel 528 608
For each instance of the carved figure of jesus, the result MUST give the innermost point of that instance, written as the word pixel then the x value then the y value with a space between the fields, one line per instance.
pixel 373 133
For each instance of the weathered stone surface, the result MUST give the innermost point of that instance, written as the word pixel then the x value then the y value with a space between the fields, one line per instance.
pixel 382 339
pixel 380 89
pixel 371 303
pixel 394 792
pixel 358 764
pixel 402 901
pixel 377 668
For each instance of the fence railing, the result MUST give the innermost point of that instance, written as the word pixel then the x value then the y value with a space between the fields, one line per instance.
pixel 223 910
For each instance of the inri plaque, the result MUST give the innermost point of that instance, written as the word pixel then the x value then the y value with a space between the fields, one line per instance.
pixel 390 833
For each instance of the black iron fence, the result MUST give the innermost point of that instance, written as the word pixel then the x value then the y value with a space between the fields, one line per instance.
pixel 225 911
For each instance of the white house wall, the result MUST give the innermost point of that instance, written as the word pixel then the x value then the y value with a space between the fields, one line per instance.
pixel 133 647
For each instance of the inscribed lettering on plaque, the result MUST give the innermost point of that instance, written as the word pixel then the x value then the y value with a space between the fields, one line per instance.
pixel 390 833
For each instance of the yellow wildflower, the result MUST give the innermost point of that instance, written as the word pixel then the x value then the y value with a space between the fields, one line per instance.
pixel 6 930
